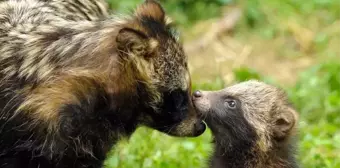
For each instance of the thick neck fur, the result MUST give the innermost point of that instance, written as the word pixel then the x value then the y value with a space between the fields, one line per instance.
pixel 242 154
pixel 232 153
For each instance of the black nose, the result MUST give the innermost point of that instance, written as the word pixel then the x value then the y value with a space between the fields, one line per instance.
pixel 200 128
pixel 197 93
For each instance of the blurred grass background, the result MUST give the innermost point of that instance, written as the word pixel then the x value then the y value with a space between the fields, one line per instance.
pixel 291 44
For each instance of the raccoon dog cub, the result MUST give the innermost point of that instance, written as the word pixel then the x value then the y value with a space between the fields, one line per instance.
pixel 253 125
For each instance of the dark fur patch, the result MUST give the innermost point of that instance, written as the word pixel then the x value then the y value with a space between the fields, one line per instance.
pixel 232 121
pixel 151 9
pixel 173 110
pixel 155 28
pixel 234 137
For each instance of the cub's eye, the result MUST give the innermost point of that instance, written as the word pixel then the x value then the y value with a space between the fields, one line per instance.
pixel 230 103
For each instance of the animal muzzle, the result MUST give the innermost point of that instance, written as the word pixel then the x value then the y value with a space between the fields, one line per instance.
pixel 191 127
pixel 201 102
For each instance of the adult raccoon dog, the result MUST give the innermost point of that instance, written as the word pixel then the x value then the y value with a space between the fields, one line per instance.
pixel 253 125
pixel 72 83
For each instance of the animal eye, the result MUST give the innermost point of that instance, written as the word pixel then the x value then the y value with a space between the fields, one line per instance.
pixel 231 104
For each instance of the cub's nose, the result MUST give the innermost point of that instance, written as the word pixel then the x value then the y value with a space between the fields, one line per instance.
pixel 197 94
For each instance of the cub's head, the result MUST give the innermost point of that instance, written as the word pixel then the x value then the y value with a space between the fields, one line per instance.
pixel 150 44
pixel 249 110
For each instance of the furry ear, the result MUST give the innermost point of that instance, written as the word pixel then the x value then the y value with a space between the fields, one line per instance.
pixel 131 41
pixel 284 123
pixel 151 9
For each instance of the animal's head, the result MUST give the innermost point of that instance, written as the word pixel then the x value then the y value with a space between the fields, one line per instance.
pixel 149 43
pixel 248 110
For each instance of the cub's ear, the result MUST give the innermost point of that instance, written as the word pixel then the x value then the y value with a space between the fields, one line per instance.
pixel 284 123
pixel 150 9
pixel 134 42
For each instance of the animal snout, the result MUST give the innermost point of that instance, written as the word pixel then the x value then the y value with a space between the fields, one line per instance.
pixel 201 101
pixel 200 127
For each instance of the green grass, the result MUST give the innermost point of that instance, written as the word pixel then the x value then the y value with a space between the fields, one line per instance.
pixel 316 94
pixel 317 97
pixel 153 149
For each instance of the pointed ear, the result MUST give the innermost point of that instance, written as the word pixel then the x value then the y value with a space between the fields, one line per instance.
pixel 284 123
pixel 151 9
pixel 131 41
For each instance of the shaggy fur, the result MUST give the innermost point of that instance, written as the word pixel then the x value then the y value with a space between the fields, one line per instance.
pixel 253 125
pixel 74 80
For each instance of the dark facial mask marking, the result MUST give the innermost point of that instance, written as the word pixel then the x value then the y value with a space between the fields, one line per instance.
pixel 176 104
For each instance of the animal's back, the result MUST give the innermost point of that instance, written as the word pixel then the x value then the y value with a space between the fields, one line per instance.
pixel 17 19
pixel 21 21
pixel 74 81
pixel 22 63
pixel 21 66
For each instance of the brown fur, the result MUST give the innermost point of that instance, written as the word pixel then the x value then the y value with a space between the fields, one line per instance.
pixel 258 132
pixel 74 80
